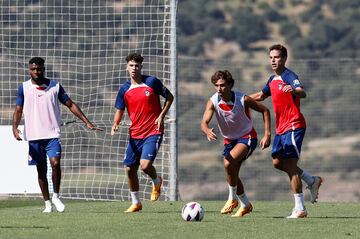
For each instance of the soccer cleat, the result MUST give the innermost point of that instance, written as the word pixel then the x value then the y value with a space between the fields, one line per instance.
pixel 314 189
pixel 156 190
pixel 134 208
pixel 60 207
pixel 298 214
pixel 230 205
pixel 243 211
pixel 47 209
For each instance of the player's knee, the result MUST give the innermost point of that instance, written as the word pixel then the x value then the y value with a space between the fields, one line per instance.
pixel 226 164
pixel 145 165
pixel 55 164
pixel 277 164
pixel 229 162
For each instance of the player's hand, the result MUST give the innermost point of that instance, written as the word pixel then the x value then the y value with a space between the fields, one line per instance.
pixel 114 129
pixel 288 88
pixel 17 134
pixel 210 134
pixel 265 142
pixel 93 127
pixel 159 122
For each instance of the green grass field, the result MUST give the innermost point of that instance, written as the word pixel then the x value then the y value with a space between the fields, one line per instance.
pixel 23 218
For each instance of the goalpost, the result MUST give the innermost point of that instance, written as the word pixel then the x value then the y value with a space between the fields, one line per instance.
pixel 85 44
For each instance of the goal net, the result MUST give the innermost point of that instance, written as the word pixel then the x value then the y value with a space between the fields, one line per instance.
pixel 85 44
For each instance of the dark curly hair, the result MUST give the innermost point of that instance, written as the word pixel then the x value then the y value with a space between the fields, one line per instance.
pixel 225 75
pixel 135 57
pixel 37 60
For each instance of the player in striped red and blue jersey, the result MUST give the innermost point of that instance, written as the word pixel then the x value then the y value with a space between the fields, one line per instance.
pixel 140 95
pixel 38 99
pixel 286 91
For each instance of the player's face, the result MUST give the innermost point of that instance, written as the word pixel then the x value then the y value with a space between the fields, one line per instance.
pixel 134 69
pixel 36 71
pixel 222 88
pixel 276 60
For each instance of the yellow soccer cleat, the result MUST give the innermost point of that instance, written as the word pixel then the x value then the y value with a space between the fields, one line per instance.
pixel 156 190
pixel 243 211
pixel 134 208
pixel 230 205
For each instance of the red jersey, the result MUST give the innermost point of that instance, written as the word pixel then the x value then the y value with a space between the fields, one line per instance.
pixel 286 105
pixel 143 105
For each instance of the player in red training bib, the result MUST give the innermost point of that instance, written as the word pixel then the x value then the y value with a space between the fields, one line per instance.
pixel 140 95
pixel 231 109
pixel 286 91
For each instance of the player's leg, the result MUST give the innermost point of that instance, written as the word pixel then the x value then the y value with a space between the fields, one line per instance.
pixel 133 182
pixel 132 165
pixel 241 152
pixel 38 154
pixel 286 159
pixel 149 150
pixel 293 149
pixel 53 150
pixel 234 154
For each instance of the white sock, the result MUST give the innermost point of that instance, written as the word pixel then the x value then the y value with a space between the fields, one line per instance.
pixel 47 203
pixel 55 195
pixel 299 201
pixel 156 181
pixel 232 192
pixel 308 178
pixel 135 197
pixel 244 201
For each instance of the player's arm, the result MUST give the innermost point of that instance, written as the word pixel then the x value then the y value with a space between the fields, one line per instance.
pixel 251 103
pixel 167 104
pixel 259 96
pixel 16 121
pixel 18 112
pixel 299 92
pixel 75 109
pixel 294 87
pixel 116 122
pixel 208 113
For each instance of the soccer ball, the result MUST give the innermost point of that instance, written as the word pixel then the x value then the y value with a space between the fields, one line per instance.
pixel 192 211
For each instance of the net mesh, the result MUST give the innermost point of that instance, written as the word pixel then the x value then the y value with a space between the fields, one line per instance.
pixel 85 44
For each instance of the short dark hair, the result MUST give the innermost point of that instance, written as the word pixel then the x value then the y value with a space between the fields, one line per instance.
pixel 281 48
pixel 37 60
pixel 135 57
pixel 225 75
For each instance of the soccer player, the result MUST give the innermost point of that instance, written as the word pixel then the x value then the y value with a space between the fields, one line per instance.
pixel 286 90
pixel 140 95
pixel 38 98
pixel 232 110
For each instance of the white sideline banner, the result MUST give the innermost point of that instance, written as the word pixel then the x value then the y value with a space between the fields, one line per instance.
pixel 16 176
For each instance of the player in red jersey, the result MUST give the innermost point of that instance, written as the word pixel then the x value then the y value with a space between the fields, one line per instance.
pixel 141 97
pixel 286 92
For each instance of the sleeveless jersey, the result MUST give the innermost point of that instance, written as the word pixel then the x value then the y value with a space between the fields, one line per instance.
pixel 41 109
pixel 234 122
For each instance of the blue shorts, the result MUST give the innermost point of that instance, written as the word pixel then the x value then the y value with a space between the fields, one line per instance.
pixel 39 149
pixel 146 148
pixel 288 145
pixel 251 143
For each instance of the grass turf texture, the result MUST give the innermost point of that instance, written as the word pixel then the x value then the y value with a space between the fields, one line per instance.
pixel 23 218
